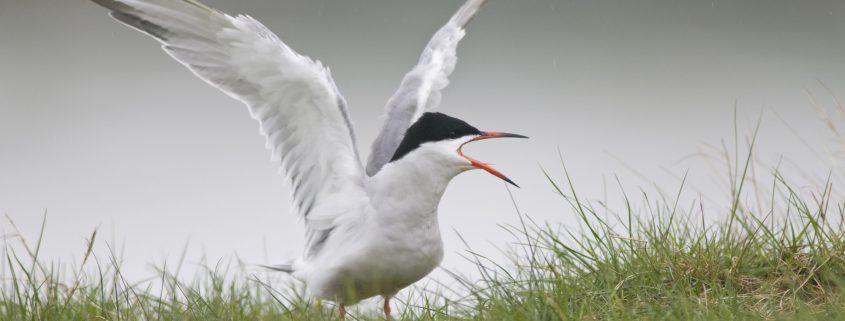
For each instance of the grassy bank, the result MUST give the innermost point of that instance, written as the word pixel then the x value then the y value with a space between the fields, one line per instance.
pixel 786 261
pixel 668 266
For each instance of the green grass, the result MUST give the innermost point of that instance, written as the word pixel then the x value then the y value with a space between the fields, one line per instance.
pixel 659 263
pixel 666 267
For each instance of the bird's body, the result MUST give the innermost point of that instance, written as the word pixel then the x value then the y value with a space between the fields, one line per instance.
pixel 370 230
pixel 392 245
pixel 379 255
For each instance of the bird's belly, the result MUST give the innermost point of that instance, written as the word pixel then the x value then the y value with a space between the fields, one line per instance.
pixel 383 265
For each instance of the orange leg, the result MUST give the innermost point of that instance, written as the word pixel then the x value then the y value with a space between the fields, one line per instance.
pixel 341 310
pixel 387 308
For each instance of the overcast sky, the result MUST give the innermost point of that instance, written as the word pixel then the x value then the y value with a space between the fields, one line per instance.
pixel 103 130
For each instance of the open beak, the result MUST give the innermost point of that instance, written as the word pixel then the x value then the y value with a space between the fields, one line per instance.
pixel 477 164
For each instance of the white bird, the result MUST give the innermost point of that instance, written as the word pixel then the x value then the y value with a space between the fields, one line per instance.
pixel 370 231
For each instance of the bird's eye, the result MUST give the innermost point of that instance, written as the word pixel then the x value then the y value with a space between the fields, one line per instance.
pixel 453 133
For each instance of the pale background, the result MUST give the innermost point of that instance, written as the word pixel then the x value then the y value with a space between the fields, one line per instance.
pixel 102 130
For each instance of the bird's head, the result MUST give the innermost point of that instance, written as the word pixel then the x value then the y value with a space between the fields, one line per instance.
pixel 438 137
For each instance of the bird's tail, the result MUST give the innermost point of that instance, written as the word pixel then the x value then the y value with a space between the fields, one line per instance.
pixel 287 268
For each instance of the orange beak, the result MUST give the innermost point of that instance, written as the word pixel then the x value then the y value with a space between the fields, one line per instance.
pixel 477 164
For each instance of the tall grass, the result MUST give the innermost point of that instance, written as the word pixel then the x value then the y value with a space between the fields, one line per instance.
pixel 661 262
pixel 665 265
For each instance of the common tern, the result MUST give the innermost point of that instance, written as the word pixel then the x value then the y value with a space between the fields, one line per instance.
pixel 370 230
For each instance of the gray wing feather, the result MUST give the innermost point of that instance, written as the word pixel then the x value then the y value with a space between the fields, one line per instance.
pixel 299 109
pixel 420 89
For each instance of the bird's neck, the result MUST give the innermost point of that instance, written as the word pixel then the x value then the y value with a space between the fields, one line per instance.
pixel 411 186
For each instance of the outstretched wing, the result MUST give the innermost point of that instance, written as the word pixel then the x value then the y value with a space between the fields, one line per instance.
pixel 294 98
pixel 420 89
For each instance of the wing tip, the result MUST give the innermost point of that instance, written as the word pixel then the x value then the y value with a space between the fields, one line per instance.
pixel 467 11
pixel 130 16
pixel 154 30
pixel 112 4
pixel 286 268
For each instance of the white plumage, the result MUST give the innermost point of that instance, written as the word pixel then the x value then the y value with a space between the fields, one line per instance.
pixel 370 232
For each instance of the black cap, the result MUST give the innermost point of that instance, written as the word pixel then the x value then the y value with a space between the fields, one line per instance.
pixel 433 127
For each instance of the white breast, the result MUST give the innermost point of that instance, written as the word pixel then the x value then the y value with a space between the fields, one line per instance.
pixel 382 259
pixel 394 244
